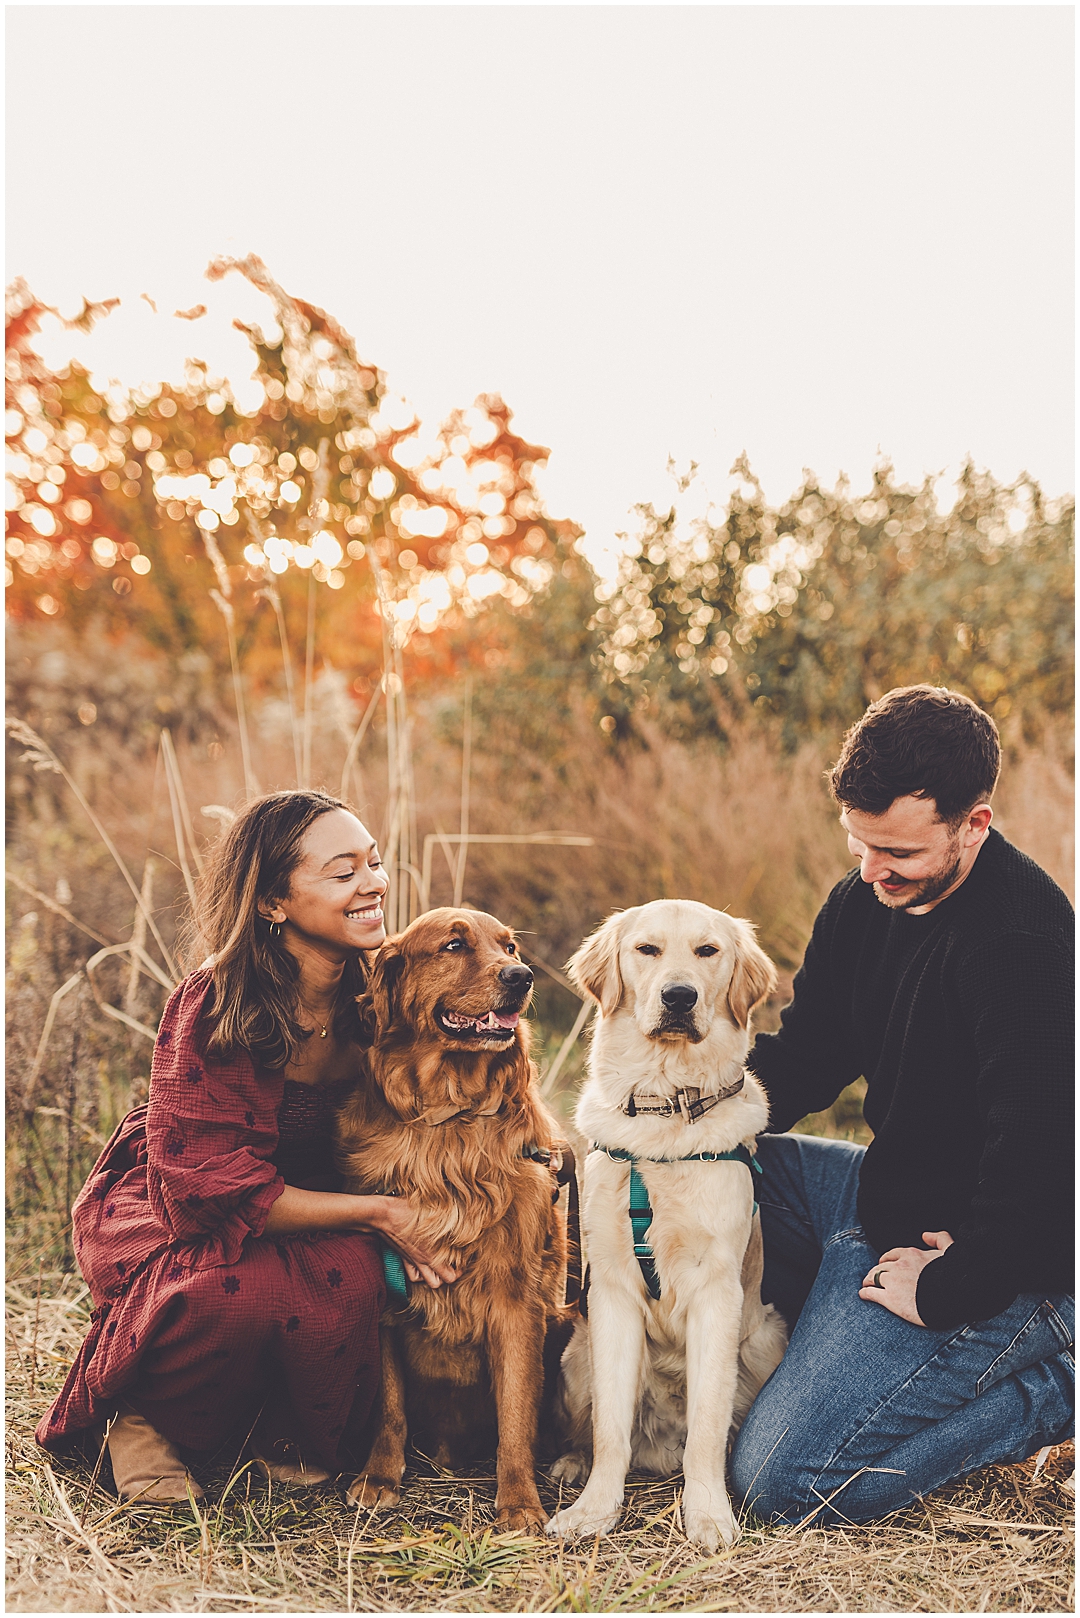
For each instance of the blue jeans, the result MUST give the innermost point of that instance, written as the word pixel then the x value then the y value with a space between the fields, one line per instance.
pixel 865 1411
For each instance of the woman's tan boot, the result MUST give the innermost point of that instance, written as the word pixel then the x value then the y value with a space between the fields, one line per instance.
pixel 145 1465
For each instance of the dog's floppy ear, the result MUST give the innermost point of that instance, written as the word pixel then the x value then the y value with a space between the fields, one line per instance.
pixel 594 966
pixel 388 967
pixel 754 975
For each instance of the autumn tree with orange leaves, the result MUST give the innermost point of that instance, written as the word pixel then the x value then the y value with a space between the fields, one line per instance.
pixel 163 510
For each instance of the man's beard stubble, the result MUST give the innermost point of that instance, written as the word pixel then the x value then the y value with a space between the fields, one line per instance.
pixel 930 888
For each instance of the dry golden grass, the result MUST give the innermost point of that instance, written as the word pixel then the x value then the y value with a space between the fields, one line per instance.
pixel 1002 1541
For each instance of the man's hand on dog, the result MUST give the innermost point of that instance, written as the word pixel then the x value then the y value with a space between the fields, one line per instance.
pixel 393 1218
pixel 893 1279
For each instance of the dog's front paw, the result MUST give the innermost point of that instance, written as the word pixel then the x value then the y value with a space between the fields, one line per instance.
pixel 583 1521
pixel 569 1468
pixel 520 1519
pixel 372 1493
pixel 709 1523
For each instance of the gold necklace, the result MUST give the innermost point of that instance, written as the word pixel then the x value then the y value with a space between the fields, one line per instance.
pixel 323 1027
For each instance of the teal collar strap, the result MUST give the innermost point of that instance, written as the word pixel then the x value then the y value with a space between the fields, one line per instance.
pixel 641 1214
pixel 738 1154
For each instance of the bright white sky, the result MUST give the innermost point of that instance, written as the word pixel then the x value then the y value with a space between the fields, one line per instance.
pixel 809 232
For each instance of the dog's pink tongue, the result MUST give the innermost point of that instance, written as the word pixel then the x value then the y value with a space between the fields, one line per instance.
pixel 495 1019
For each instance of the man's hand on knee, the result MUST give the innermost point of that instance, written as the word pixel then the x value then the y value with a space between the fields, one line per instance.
pixel 895 1276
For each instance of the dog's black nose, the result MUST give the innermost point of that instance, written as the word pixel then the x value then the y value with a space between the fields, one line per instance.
pixel 516 976
pixel 678 996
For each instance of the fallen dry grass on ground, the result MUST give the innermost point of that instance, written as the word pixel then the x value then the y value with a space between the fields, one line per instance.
pixel 1000 1542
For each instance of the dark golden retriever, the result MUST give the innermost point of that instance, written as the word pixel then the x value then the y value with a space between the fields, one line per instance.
pixel 450 1116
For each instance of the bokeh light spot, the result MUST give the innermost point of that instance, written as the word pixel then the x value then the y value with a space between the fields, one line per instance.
pixel 382 483
pixel 326 549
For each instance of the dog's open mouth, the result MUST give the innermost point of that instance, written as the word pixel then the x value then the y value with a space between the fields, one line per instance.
pixel 496 1024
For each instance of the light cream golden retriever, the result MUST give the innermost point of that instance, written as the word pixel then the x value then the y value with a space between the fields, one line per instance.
pixel 659 1384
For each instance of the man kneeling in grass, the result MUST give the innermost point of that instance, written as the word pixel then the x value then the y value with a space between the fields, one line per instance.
pixel 927 1275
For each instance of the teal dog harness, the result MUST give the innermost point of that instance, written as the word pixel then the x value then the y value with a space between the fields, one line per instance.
pixel 641 1214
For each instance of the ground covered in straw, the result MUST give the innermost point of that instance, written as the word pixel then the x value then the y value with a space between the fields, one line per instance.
pixel 1001 1542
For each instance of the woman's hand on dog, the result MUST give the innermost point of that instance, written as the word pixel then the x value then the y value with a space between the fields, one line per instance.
pixel 893 1280
pixel 393 1218
pixel 297 1210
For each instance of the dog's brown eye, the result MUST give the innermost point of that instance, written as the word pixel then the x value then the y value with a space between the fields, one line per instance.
pixel 706 949
pixel 453 944
pixel 511 949
pixel 648 949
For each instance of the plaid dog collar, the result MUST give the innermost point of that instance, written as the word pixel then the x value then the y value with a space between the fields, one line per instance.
pixel 689 1102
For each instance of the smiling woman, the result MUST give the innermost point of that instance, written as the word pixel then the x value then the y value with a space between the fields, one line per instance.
pixel 237 1289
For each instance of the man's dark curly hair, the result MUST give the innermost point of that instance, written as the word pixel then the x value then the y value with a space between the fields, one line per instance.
pixel 922 741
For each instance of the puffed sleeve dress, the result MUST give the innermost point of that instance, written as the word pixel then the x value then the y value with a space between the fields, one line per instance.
pixel 199 1318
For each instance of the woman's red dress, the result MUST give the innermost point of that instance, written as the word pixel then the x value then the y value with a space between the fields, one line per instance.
pixel 200 1320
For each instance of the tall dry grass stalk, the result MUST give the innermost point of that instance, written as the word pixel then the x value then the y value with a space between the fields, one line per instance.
pixel 138 938
pixel 58 909
pixel 319 484
pixel 222 599
pixel 349 771
pixel 466 784
pixel 399 834
pixel 180 816
pixel 269 592
pixel 309 685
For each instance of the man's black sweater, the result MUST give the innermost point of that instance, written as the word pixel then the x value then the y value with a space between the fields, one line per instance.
pixel 960 1021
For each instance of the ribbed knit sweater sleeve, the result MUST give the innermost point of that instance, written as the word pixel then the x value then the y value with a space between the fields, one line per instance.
pixel 810 1059
pixel 1015 992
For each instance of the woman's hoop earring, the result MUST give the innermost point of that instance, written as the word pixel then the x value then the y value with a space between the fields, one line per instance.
pixel 275 929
